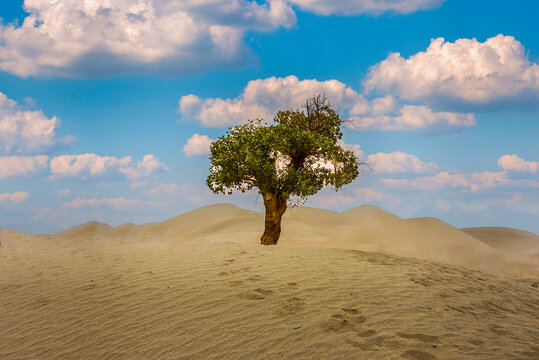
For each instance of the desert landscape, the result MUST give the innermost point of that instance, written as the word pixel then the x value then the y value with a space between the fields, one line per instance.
pixel 269 179
pixel 362 284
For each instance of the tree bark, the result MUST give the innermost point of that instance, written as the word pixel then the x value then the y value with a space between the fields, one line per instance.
pixel 275 207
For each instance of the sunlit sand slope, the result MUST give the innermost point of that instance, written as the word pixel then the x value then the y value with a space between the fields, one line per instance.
pixel 365 228
pixel 150 299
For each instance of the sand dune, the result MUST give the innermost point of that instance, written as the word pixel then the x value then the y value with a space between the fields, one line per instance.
pixel 363 284
pixel 366 228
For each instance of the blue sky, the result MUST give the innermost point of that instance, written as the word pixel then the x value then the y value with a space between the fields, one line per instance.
pixel 99 98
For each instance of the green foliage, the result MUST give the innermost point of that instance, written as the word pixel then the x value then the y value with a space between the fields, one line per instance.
pixel 297 155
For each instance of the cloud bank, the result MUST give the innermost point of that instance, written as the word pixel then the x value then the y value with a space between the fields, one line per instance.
pixel 109 38
pixel 87 165
pixel 444 180
pixel 262 98
pixel 161 37
pixel 464 72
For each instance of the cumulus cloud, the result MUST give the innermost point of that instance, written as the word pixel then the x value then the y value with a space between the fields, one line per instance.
pixel 399 162
pixel 145 168
pixel 197 145
pixel 413 118
pixel 16 197
pixel 514 163
pixel 23 131
pixel 262 98
pixel 444 180
pixel 466 72
pixel 109 37
pixel 115 203
pixel 15 166
pixel 355 7
pixel 85 165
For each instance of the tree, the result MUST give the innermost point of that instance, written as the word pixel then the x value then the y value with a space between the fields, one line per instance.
pixel 287 161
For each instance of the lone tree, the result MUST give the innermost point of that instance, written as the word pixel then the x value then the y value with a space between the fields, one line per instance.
pixel 288 160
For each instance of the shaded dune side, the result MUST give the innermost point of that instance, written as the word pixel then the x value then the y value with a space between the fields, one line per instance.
pixel 503 237
pixel 90 229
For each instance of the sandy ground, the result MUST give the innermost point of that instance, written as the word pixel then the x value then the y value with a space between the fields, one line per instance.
pixel 359 285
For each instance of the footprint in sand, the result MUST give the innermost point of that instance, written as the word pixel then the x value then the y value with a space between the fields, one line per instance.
pixel 292 304
pixel 264 291
pixel 340 321
pixel 417 355
pixel 420 337
pixel 256 294
pixel 359 319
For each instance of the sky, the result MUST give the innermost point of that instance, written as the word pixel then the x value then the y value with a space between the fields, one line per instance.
pixel 108 107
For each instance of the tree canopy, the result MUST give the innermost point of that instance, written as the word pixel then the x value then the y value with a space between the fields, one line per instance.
pixel 290 159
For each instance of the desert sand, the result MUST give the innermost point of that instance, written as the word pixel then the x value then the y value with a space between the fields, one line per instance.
pixel 363 284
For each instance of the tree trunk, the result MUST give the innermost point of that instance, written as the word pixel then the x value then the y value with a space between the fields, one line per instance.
pixel 275 208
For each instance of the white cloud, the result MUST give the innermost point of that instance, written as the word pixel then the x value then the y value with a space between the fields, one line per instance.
pixel 14 166
pixel 16 197
pixel 413 118
pixel 444 180
pixel 355 7
pixel 23 131
pixel 197 145
pixel 84 165
pixel 262 98
pixel 115 203
pixel 109 37
pixel 399 162
pixel 514 163
pixel 145 168
pixel 466 71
